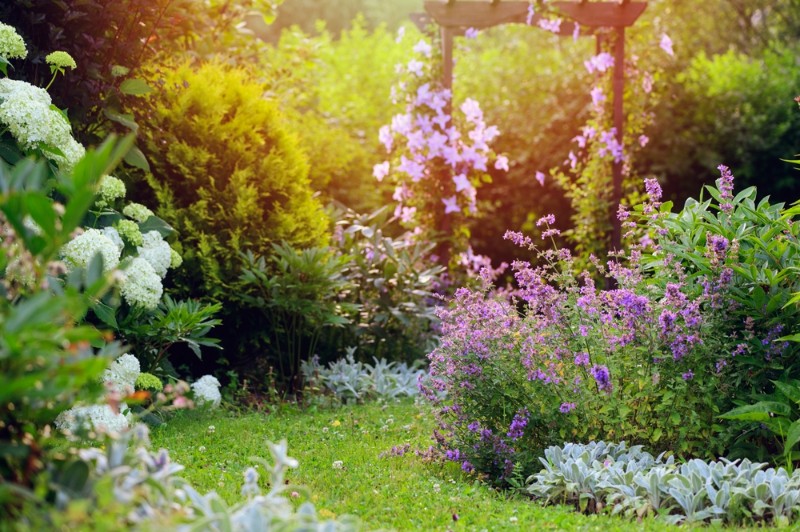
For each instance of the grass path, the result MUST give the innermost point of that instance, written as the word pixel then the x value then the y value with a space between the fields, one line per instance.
pixel 393 492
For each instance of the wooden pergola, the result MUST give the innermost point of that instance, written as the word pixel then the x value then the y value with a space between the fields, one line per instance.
pixel 454 18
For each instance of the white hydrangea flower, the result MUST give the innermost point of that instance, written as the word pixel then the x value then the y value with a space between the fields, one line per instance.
pixel 26 111
pixel 142 285
pixel 137 211
pixel 73 152
pixel 206 390
pixel 156 251
pixel 122 374
pixel 111 188
pixel 113 235
pixel 98 417
pixel 11 44
pixel 79 251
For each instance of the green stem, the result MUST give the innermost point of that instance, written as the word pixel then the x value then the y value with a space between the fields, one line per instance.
pixel 55 73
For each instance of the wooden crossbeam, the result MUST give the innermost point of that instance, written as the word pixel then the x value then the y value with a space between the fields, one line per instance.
pixel 480 15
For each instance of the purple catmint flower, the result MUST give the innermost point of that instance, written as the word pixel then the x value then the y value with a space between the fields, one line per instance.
pixel 653 189
pixel 549 220
pixel 582 359
pixel 601 377
pixel 689 375
pixel 725 186
pixel 518 238
pixel 467 467
pixel 518 424
pixel 667 321
pixel 566 408
pixel 717 246
pixel 474 426
pixel 453 455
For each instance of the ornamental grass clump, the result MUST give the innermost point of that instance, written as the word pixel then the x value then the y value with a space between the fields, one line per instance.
pixel 560 357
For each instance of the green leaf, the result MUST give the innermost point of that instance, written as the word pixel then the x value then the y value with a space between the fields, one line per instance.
pixel 757 412
pixel 41 210
pixel 135 87
pixel 74 476
pixel 136 158
pixel 121 118
pixel 106 314
pixel 792 436
pixel 791 391
pixel 154 223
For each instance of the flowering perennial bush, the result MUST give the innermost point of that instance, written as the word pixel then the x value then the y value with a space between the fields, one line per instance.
pixel 79 252
pixel 650 360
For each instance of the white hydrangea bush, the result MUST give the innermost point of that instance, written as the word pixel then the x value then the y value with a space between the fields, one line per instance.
pixel 119 378
pixel 100 418
pixel 206 391
pixel 27 113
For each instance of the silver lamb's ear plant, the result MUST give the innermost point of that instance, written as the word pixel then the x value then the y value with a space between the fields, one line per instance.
pixel 349 380
pixel 634 484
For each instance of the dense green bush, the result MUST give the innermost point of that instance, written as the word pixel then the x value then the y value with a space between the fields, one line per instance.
pixel 225 171
pixel 734 107
pixel 393 282
pixel 298 294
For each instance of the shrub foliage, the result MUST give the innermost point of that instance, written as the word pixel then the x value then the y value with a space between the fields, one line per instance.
pixel 225 171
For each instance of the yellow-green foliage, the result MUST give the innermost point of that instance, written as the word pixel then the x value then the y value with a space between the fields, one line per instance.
pixel 226 172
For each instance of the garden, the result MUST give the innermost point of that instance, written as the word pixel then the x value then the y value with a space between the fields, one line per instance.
pixel 408 265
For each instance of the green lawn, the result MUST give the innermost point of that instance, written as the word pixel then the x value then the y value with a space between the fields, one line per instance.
pixel 395 492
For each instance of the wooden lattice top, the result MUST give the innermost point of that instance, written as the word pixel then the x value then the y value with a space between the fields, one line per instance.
pixel 485 14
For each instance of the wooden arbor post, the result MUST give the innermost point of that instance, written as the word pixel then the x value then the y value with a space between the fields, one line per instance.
pixel 455 17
